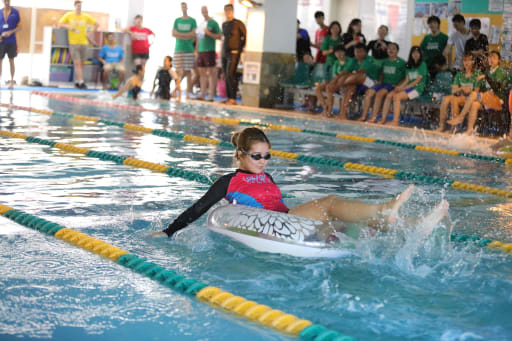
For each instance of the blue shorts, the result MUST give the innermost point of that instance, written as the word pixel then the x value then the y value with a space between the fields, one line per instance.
pixel 385 86
pixel 361 89
pixel 412 93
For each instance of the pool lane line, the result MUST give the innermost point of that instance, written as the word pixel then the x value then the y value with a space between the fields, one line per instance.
pixel 482 242
pixel 263 315
pixel 225 121
pixel 317 161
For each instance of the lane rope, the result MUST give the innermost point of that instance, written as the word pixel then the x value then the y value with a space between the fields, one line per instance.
pixel 192 176
pixel 226 121
pixel 254 312
pixel 317 161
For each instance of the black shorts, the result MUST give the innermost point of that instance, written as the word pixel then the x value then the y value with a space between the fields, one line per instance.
pixel 10 49
pixel 140 56
pixel 206 59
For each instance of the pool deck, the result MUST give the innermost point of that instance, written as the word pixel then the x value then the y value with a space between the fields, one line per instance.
pixel 265 111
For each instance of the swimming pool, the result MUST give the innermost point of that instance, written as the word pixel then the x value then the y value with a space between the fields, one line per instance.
pixel 397 286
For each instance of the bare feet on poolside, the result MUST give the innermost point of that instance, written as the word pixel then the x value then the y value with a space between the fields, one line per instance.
pixel 392 217
pixel 439 130
pixel 342 117
pixel 326 114
pixel 11 85
pixel 362 119
pixel 392 123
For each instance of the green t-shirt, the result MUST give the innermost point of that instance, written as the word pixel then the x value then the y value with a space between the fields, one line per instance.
pixel 502 77
pixel 207 43
pixel 413 73
pixel 433 46
pixel 393 71
pixel 184 26
pixel 328 44
pixel 469 82
pixel 368 64
pixel 337 68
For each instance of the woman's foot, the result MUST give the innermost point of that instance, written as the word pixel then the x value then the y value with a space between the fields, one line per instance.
pixel 439 130
pixel 362 119
pixel 392 123
pixel 455 120
pixel 396 203
pixel 437 214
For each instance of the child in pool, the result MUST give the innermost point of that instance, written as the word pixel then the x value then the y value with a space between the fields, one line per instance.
pixel 249 185
pixel 134 84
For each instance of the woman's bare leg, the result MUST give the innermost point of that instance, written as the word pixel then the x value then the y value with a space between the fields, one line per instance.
pixel 347 97
pixel 397 100
pixel 385 108
pixel 331 208
pixel 367 102
pixel 377 103
pixel 467 106
pixel 473 114
pixel 320 88
pixel 443 112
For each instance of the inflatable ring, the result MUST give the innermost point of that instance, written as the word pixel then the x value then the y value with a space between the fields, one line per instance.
pixel 270 231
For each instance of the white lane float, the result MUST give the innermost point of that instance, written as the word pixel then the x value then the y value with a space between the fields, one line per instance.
pixel 273 232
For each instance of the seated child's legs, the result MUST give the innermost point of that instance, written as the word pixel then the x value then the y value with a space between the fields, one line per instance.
pixel 443 113
pixel 368 95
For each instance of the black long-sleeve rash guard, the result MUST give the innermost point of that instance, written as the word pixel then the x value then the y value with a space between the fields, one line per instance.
pixel 217 192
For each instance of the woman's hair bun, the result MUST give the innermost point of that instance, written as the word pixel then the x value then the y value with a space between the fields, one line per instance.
pixel 234 139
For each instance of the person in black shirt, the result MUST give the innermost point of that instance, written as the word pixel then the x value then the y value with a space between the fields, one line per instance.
pixel 353 37
pixel 478 44
pixel 234 42
pixel 379 47
pixel 303 46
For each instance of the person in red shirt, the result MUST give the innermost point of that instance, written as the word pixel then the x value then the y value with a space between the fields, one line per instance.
pixel 140 41
pixel 320 34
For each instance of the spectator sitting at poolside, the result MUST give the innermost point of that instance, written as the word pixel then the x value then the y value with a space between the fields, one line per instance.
pixel 111 56
pixel 466 81
pixel 493 96
pixel 393 73
pixel 338 73
pixel 364 74
pixel 379 47
pixel 410 88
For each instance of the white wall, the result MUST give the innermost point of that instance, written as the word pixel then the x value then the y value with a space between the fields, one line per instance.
pixel 280 26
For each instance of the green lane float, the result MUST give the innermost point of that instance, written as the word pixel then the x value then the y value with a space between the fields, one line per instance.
pixel 225 121
pixel 257 313
pixel 318 161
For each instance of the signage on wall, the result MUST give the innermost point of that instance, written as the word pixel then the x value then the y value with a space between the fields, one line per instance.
pixel 252 73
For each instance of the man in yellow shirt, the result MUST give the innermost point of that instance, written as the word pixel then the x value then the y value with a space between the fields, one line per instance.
pixel 77 24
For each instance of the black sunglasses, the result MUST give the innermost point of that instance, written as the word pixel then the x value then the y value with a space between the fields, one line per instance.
pixel 257 156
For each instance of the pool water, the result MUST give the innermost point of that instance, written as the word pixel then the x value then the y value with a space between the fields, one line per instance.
pixel 409 283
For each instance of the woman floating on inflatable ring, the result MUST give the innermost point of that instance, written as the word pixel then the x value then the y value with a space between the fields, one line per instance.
pixel 249 185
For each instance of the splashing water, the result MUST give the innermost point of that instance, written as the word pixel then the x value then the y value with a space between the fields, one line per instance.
pixel 459 142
